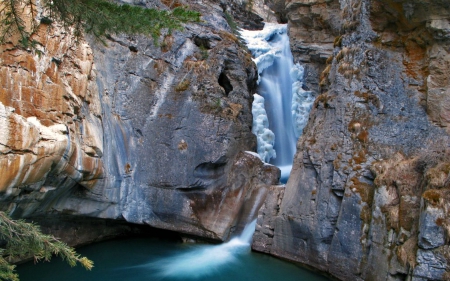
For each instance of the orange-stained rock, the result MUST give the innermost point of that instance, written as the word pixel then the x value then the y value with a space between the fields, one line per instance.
pixel 40 121
pixel 107 135
pixel 9 165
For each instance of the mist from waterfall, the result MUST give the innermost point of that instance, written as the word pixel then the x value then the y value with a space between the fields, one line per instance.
pixel 137 259
pixel 205 260
pixel 280 110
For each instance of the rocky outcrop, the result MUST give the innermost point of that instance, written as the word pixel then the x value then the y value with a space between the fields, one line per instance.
pixel 367 197
pixel 151 132
pixel 50 120
pixel 268 10
pixel 158 134
pixel 313 27
pixel 251 15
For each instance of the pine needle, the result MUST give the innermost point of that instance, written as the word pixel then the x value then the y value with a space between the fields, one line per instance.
pixel 23 239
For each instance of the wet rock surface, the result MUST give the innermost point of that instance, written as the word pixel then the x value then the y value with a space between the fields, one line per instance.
pixel 367 194
pixel 157 134
pixel 150 132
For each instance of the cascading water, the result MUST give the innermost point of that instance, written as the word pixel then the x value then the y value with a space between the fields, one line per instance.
pixel 280 114
pixel 205 260
pixel 281 110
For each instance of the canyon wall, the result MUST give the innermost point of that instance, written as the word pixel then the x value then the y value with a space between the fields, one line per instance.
pixel 150 132
pixel 368 195
pixel 158 133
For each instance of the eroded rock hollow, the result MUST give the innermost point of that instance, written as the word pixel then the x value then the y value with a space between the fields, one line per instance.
pixel 151 132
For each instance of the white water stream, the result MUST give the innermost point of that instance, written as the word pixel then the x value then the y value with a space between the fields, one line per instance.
pixel 205 260
pixel 280 113
pixel 281 109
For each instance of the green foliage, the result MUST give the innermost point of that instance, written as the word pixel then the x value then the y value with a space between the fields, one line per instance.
pixel 22 240
pixel 98 17
pixel 235 30
pixel 232 23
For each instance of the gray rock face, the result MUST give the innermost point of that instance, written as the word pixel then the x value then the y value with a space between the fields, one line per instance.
pixel 367 194
pixel 429 266
pixel 263 237
pixel 431 234
pixel 173 124
pixel 157 134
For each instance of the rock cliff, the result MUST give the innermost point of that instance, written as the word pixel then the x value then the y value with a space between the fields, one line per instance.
pixel 133 129
pixel 157 132
pixel 368 194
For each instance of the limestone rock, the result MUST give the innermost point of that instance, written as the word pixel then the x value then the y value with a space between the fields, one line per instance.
pixel 50 121
pixel 262 239
pixel 367 194
pixel 150 132
pixel 440 28
pixel 431 265
pixel 313 28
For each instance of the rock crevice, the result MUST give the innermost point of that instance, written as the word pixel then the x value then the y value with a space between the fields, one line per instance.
pixel 150 132
pixel 359 202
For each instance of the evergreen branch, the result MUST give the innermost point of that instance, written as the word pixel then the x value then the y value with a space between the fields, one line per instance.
pixel 25 239
pixel 33 11
pixel 98 17
pixel 9 18
pixel 18 22
pixel 7 270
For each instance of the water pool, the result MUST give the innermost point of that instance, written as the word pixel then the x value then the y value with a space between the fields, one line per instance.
pixel 139 259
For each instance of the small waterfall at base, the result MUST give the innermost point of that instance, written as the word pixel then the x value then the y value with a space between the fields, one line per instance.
pixel 279 113
pixel 205 260
pixel 281 110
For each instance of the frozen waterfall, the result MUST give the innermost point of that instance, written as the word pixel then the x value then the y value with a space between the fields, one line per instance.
pixel 281 109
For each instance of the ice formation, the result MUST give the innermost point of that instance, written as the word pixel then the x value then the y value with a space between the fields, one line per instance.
pixel 302 100
pixel 281 109
pixel 265 137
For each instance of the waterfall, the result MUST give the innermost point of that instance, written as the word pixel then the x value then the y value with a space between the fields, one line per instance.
pixel 280 112
pixel 281 109
pixel 205 260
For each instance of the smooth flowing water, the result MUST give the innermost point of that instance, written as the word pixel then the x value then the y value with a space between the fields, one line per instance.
pixel 148 259
pixel 138 259
pixel 280 113
pixel 281 109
